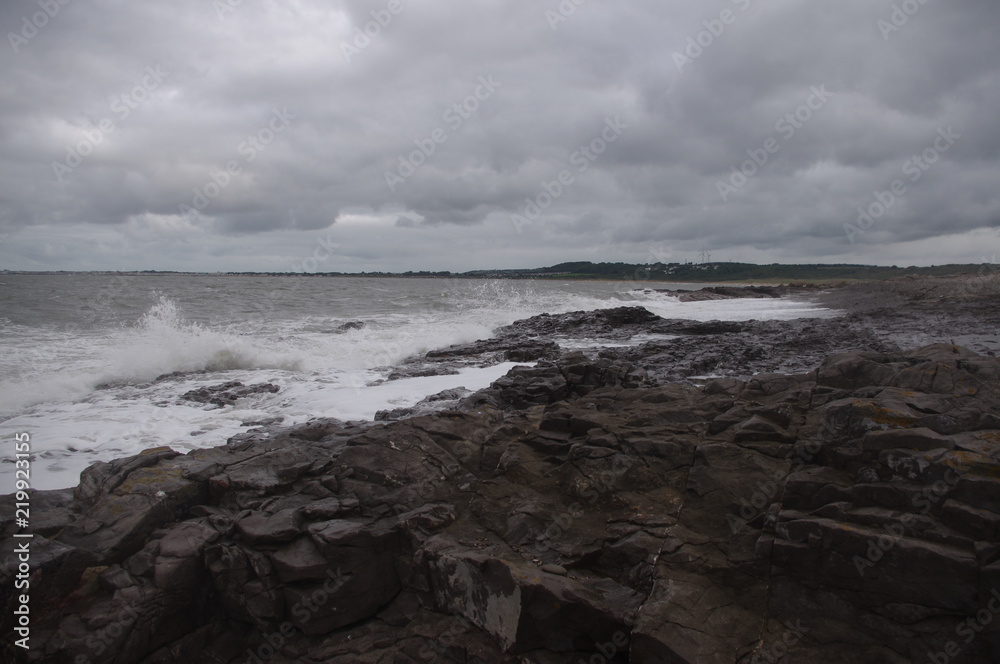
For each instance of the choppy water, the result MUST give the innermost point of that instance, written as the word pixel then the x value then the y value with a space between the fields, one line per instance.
pixel 80 354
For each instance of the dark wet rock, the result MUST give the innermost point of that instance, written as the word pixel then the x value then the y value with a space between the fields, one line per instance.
pixel 280 527
pixel 364 579
pixel 521 607
pixel 911 439
pixel 416 369
pixel 548 382
pixel 300 560
pixel 102 478
pixel 667 351
pixel 583 323
pixel 430 404
pixel 350 325
pixel 50 511
pixel 263 422
pixel 227 394
pixel 738 292
pixel 585 508
pixel 530 352
pixel 531 340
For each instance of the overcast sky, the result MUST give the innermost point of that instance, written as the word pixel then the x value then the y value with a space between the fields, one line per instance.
pixel 259 135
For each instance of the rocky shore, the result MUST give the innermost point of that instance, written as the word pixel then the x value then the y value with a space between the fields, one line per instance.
pixel 821 490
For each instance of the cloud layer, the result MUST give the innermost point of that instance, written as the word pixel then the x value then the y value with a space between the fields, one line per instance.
pixel 395 135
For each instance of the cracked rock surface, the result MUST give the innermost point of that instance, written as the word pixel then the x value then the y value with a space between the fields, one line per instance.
pixel 596 506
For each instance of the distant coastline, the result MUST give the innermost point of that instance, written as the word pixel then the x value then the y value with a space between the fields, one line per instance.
pixel 660 272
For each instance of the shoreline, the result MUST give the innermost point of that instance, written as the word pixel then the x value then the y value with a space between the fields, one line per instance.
pixel 592 497
pixel 748 273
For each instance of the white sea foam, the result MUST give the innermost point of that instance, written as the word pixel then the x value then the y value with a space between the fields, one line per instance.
pixel 668 306
pixel 91 393
pixel 68 437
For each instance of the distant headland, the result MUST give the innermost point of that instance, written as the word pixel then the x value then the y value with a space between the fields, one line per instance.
pixel 667 272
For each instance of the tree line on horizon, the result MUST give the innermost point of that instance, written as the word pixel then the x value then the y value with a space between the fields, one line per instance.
pixel 666 272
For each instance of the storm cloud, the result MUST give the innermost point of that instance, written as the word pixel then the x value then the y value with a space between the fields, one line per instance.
pixel 432 135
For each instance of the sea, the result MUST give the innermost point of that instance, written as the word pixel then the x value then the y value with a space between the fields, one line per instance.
pixel 93 366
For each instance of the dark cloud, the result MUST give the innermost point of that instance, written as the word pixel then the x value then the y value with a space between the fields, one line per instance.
pixel 190 136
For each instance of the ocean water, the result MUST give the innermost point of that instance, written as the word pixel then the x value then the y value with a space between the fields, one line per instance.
pixel 80 355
